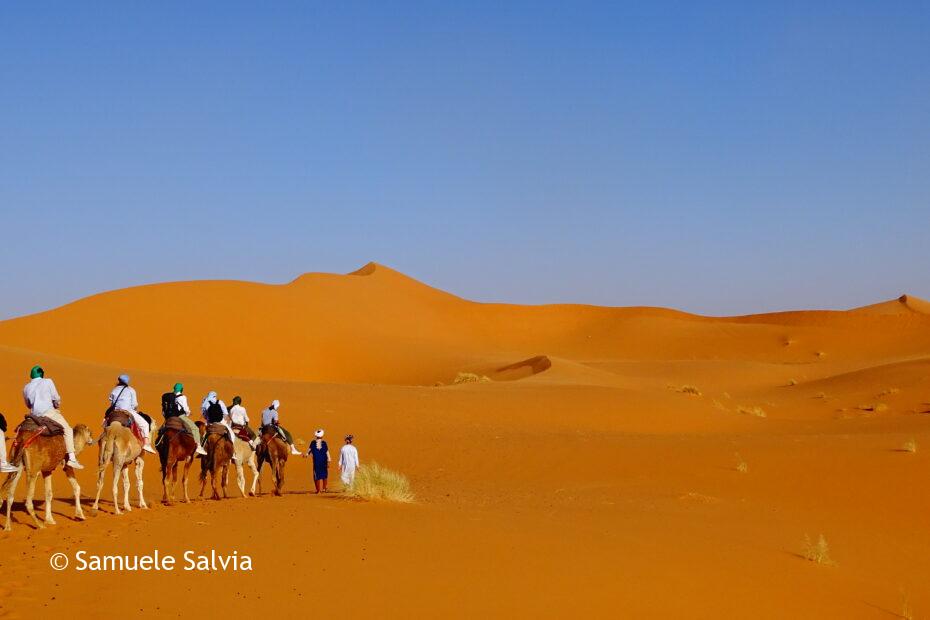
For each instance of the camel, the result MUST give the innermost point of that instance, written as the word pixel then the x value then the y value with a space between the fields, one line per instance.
pixel 245 454
pixel 175 446
pixel 43 456
pixel 119 446
pixel 272 449
pixel 216 462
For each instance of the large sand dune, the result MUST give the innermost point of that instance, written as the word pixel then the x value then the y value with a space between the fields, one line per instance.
pixel 593 472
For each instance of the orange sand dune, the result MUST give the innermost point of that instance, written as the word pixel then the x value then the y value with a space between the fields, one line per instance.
pixel 594 473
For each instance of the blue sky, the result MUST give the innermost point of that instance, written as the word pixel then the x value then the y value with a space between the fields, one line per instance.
pixel 719 157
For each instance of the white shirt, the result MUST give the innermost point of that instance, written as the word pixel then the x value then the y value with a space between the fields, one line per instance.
pixel 40 395
pixel 124 397
pixel 239 415
pixel 181 400
pixel 348 457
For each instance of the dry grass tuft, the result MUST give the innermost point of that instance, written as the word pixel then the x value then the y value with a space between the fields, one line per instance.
pixel 906 612
pixel 910 445
pixel 788 341
pixel 820 354
pixel 756 411
pixel 741 465
pixel 689 389
pixel 888 392
pixel 376 483
pixel 818 552
pixel 876 407
pixel 470 377
pixel 792 382
pixel 821 395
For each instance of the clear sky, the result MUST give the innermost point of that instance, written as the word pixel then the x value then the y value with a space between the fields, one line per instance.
pixel 719 157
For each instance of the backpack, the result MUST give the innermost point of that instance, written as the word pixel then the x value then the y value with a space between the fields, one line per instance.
pixel 169 405
pixel 214 413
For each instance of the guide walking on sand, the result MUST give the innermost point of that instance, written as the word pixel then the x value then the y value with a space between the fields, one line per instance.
pixel 348 462
pixel 42 399
pixel 320 453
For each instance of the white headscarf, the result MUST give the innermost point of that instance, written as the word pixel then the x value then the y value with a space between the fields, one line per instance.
pixel 319 433
pixel 275 404
pixel 209 400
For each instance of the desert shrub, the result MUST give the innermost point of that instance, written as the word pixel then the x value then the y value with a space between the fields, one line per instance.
pixel 376 483
pixel 689 389
pixel 756 411
pixel 910 445
pixel 470 377
pixel 817 552
pixel 741 465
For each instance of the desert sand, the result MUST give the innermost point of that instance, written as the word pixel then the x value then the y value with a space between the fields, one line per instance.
pixel 623 462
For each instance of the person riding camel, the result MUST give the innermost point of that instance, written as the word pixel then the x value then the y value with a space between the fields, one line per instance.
pixel 270 418
pixel 42 399
pixel 5 467
pixel 123 397
pixel 239 418
pixel 214 412
pixel 174 404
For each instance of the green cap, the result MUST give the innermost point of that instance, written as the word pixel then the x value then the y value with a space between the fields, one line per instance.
pixel 178 388
pixel 36 372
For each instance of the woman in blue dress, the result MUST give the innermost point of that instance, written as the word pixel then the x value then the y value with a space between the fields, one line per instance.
pixel 320 453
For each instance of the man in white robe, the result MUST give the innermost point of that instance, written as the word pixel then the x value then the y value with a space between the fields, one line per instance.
pixel 348 462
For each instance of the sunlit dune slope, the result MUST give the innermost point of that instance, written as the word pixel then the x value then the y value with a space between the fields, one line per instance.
pixel 379 326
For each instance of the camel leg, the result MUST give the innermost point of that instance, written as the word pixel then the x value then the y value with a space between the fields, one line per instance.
pixel 254 475
pixel 165 480
pixel 203 480
pixel 140 465
pixel 9 499
pixel 78 513
pixel 117 470
pixel 240 478
pixel 30 493
pixel 125 476
pixel 215 495
pixel 173 482
pixel 47 483
pixel 187 469
pixel 274 476
pixel 101 472
pixel 225 480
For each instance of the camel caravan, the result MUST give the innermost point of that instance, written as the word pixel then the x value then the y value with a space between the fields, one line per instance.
pixel 44 442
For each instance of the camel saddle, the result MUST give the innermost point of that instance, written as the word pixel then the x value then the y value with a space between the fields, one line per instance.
pixel 216 428
pixel 242 432
pixel 37 423
pixel 175 423
pixel 118 415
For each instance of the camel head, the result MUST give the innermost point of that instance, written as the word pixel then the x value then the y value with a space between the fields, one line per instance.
pixel 82 437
